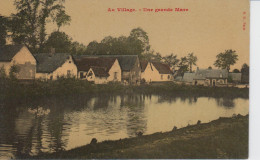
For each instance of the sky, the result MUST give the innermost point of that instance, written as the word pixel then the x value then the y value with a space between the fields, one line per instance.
pixel 206 29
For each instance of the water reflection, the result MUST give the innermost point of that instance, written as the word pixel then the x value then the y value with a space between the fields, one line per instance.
pixel 74 121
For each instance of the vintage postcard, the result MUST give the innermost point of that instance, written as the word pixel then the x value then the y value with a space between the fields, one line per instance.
pixel 124 79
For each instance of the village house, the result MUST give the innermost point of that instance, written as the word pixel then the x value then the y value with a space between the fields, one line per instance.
pixel 210 77
pixel 19 56
pixel 235 77
pixel 188 77
pixel 51 66
pixel 155 72
pixel 99 70
pixel 129 64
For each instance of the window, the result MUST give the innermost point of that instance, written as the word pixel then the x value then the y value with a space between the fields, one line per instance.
pixel 161 76
pixel 115 75
pixel 169 77
pixel 51 77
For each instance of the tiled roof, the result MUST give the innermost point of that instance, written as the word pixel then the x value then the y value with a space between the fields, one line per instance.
pixel 162 68
pixel 100 65
pixel 47 63
pixel 7 52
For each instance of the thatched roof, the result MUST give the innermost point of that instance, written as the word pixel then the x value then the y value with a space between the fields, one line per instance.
pixel 47 62
pixel 126 62
pixel 7 52
pixel 211 73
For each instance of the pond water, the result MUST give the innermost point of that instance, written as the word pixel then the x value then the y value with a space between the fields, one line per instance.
pixel 69 123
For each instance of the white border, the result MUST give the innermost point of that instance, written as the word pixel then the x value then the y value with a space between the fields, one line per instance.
pixel 254 110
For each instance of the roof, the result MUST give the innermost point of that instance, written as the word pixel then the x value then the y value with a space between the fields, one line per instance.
pixel 126 62
pixel 235 76
pixel 47 63
pixel 100 65
pixel 211 73
pixel 162 68
pixel 100 72
pixel 143 65
pixel 188 77
pixel 7 52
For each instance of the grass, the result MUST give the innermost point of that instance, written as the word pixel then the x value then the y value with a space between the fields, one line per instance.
pixel 222 138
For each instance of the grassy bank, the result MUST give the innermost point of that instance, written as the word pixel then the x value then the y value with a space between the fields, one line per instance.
pixel 222 138
pixel 13 89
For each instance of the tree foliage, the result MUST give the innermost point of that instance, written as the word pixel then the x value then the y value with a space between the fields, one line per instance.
pixel 226 59
pixel 135 44
pixel 29 23
pixel 192 60
pixel 183 66
pixel 171 60
pixel 3 29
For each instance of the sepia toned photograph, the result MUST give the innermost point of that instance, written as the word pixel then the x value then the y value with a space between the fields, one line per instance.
pixel 124 79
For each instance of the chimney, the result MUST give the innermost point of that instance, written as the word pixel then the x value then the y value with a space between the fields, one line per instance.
pixel 52 51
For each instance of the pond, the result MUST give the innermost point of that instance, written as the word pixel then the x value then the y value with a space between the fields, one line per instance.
pixel 51 125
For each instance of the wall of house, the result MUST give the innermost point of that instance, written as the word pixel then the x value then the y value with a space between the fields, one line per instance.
pixel 25 62
pixel 43 76
pixel 61 71
pixel 115 69
pixel 151 74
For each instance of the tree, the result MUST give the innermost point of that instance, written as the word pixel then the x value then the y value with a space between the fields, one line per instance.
pixel 183 66
pixel 29 23
pixel 3 29
pixel 141 35
pixel 191 59
pixel 209 67
pixel 157 57
pixel 245 73
pixel 235 71
pixel 171 60
pixel 226 59
pixel 60 41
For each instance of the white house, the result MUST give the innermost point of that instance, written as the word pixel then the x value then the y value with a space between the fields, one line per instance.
pixel 155 72
pixel 55 65
pixel 99 70
pixel 20 56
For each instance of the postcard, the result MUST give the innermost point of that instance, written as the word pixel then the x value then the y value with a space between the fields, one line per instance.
pixel 113 79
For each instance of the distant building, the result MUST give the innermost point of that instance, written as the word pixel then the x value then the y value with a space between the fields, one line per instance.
pixel 210 77
pixel 20 56
pixel 99 70
pixel 130 67
pixel 235 77
pixel 188 77
pixel 51 66
pixel 155 72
